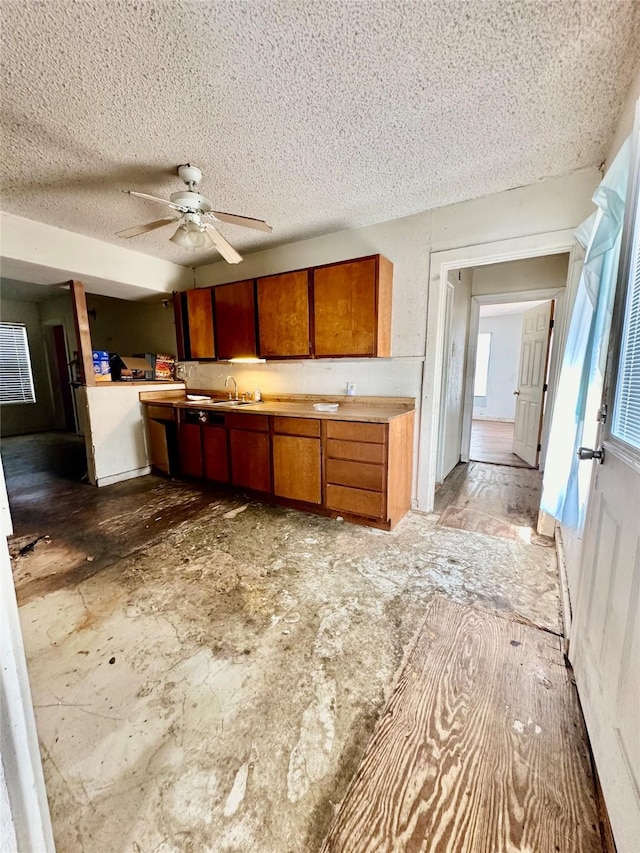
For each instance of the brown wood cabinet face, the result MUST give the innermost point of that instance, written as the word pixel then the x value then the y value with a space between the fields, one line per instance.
pixel 283 315
pixel 355 501
pixel 344 307
pixel 297 426
pixel 250 459
pixel 215 456
pixel 357 431
pixel 235 319
pixel 190 447
pixel 356 451
pixel 360 475
pixel 297 470
pixel 200 324
pixel 158 445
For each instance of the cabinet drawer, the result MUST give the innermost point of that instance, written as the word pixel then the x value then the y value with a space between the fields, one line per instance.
pixel 356 501
pixel 255 423
pixel 351 431
pixel 161 413
pixel 297 426
pixel 355 452
pixel 358 474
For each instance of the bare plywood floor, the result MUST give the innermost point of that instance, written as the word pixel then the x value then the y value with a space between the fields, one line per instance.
pixel 491 441
pixel 480 749
pixel 492 499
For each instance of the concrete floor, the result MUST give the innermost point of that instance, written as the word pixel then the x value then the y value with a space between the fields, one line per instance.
pixel 206 670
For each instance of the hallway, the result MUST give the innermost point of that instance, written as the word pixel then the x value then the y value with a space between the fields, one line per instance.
pixel 491 441
pixel 155 613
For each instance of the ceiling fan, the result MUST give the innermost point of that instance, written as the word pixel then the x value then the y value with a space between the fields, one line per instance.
pixel 193 212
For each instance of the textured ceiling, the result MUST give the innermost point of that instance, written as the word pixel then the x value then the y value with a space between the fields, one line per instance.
pixel 317 116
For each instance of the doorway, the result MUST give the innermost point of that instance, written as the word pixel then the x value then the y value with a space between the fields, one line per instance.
pixel 509 367
pixel 60 378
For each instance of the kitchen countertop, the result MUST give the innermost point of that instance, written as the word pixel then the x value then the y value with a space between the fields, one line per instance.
pixel 369 410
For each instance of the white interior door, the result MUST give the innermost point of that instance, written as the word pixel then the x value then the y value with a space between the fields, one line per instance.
pixel 605 644
pixel 532 372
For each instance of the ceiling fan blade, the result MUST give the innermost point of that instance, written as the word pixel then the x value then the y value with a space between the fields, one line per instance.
pixel 142 229
pixel 223 246
pixel 245 221
pixel 153 198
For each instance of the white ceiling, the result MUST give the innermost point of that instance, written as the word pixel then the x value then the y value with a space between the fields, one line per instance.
pixel 317 116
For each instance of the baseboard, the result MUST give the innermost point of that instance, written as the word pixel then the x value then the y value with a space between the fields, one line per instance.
pixel 496 420
pixel 124 475
pixel 565 600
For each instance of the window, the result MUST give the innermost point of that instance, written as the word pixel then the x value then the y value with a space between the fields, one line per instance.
pixel 482 364
pixel 16 379
pixel 626 407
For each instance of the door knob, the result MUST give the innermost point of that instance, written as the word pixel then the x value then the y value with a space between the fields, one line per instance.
pixel 587 453
pixel 516 393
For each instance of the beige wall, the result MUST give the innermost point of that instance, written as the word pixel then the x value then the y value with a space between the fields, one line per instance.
pixel 542 273
pixel 131 327
pixel 22 418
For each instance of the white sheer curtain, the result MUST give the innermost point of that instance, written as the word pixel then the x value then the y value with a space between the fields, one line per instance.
pixel 566 483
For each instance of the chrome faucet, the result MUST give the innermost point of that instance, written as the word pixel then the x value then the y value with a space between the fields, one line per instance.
pixel 235 385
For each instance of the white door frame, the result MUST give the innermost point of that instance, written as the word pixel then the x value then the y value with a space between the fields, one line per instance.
pixel 440 264
pixel 544 294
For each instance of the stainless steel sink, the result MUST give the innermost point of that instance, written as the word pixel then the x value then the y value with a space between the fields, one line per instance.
pixel 232 403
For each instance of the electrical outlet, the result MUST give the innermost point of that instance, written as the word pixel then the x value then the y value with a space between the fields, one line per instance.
pixel 351 389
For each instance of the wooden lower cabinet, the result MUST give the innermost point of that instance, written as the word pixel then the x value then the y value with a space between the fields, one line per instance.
pixel 369 469
pixel 250 459
pixel 190 448
pixel 215 455
pixel 360 470
pixel 297 468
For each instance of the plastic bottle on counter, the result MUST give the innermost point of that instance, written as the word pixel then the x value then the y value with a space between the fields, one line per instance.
pixel 257 396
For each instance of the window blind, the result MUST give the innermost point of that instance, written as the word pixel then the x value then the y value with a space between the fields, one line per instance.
pixel 626 411
pixel 16 379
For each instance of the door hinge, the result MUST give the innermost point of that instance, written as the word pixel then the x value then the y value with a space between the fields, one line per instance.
pixel 602 414
pixel 539 448
pixel 551 324
pixel 545 388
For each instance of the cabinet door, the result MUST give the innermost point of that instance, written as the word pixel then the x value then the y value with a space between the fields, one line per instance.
pixel 283 315
pixel 235 320
pixel 297 468
pixel 344 303
pixel 214 452
pixel 198 329
pixel 250 459
pixel 190 446
pixel 158 445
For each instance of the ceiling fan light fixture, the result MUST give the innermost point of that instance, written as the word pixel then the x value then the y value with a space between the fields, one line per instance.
pixel 192 236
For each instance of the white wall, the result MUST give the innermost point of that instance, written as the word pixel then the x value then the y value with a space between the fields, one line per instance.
pixel 22 418
pixel 114 428
pixel 455 365
pixel 29 820
pixel 506 334
pixel 555 204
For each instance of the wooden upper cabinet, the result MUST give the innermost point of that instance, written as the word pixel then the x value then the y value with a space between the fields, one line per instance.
pixel 283 315
pixel 235 319
pixel 198 324
pixel 352 308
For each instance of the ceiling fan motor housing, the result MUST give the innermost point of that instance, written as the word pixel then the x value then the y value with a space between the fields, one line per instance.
pixel 191 175
pixel 191 200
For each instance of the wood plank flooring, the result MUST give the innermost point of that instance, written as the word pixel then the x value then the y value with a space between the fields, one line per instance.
pixel 493 499
pixel 481 748
pixel 491 441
